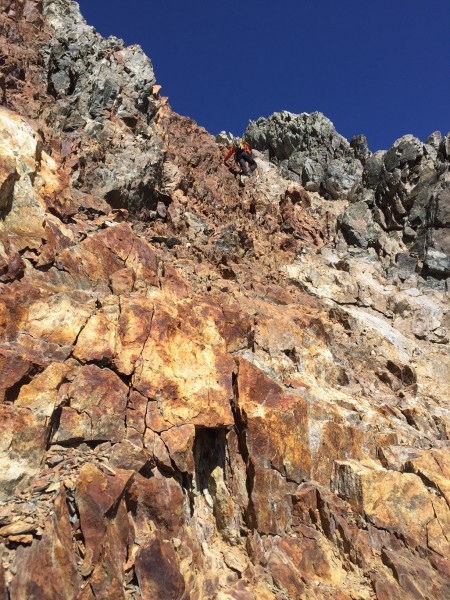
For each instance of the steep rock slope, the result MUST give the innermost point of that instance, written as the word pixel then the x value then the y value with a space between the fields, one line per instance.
pixel 204 393
pixel 94 98
pixel 399 199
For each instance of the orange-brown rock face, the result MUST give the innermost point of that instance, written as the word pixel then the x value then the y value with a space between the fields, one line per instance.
pixel 198 397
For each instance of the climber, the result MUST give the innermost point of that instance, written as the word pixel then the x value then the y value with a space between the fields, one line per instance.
pixel 242 155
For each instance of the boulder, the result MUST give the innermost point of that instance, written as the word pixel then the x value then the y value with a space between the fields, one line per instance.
pixel 358 226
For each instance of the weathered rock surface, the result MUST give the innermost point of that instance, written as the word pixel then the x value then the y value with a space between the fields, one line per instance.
pixel 95 99
pixel 309 150
pixel 399 199
pixel 208 390
pixel 406 190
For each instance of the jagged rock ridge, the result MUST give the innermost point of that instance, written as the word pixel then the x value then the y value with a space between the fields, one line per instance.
pixel 309 150
pixel 399 199
pixel 206 390
pixel 94 98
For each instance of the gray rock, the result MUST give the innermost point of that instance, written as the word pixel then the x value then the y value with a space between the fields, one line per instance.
pixel 418 201
pixel 339 178
pixel 406 265
pixel 308 149
pixel 409 234
pixel 430 153
pixel 399 197
pixel 360 147
pixel 410 185
pixel 358 226
pixel 434 139
pixel 227 241
pixel 95 81
pixel 437 263
pixel 407 149
pixel 373 170
pixel 444 148
pixel 225 138
pixel 442 203
pixel 307 169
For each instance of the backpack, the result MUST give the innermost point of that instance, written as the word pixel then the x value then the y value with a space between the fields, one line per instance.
pixel 240 147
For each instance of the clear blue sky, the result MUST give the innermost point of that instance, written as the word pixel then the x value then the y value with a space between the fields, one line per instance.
pixel 378 67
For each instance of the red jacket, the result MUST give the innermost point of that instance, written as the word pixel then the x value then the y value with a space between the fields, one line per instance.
pixel 232 150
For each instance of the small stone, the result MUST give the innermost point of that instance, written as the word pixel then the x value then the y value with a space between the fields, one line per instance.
pixel 20 539
pixel 102 448
pixel 5 515
pixel 69 484
pixel 36 488
pixel 414 292
pixel 55 460
pixel 53 487
pixel 17 528
pixel 107 469
pixel 209 500
pixel 235 562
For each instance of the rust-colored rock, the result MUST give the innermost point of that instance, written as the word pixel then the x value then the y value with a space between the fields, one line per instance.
pixel 188 369
pixel 93 407
pixel 22 446
pixel 180 442
pixel 397 502
pixel 99 499
pixel 3 591
pixel 158 499
pixel 97 340
pixel 48 569
pixel 203 392
pixel 276 435
pixel 157 571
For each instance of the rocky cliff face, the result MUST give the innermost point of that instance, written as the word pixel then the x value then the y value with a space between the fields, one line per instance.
pixel 208 390
pixel 399 199
pixel 93 98
pixel 308 149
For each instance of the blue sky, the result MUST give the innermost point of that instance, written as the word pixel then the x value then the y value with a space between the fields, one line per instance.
pixel 378 67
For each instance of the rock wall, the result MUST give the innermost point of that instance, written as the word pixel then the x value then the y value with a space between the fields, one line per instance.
pixel 309 150
pixel 406 193
pixel 204 392
pixel 398 199
pixel 94 99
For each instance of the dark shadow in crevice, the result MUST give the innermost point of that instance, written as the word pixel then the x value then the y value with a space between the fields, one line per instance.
pixel 147 470
pixel 209 453
pixel 9 194
pixel 44 268
pixel 240 420
pixel 54 425
pixel 12 393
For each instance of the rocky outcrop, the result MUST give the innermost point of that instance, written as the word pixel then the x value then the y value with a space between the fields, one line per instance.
pixel 406 191
pixel 308 149
pixel 107 91
pixel 95 99
pixel 398 199
pixel 220 398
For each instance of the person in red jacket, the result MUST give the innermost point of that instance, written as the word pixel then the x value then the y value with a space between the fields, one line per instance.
pixel 242 155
